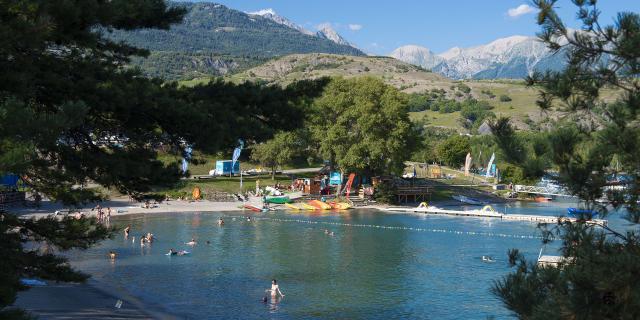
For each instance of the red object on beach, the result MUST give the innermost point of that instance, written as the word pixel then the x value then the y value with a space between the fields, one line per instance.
pixel 542 199
pixel 252 208
pixel 350 182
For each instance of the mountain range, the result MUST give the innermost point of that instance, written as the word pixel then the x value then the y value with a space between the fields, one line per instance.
pixel 511 57
pixel 214 40
pixel 325 32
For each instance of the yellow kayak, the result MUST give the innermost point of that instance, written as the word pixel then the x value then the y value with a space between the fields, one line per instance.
pixel 299 206
pixel 291 206
pixel 340 205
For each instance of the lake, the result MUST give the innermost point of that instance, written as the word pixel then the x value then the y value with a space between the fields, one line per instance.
pixel 376 266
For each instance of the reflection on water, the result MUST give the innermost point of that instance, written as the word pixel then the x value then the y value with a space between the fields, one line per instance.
pixel 375 266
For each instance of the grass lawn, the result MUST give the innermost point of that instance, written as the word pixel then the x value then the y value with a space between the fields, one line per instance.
pixel 227 184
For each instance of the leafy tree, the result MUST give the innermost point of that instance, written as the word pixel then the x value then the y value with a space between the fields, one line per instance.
pixel 473 113
pixel 278 151
pixel 599 278
pixel 454 150
pixel 362 125
pixel 72 112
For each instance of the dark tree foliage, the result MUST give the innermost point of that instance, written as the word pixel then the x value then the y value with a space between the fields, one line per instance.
pixel 600 276
pixel 71 112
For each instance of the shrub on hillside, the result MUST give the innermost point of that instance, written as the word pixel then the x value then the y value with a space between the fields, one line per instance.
pixel 505 98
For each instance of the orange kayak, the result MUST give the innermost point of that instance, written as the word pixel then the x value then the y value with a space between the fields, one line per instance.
pixel 319 205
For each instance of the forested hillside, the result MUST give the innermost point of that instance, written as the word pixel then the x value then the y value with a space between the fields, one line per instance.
pixel 216 40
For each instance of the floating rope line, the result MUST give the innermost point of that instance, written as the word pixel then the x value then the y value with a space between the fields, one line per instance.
pixel 373 226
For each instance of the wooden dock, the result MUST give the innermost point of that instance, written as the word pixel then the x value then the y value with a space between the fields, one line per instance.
pixel 488 212
pixel 412 193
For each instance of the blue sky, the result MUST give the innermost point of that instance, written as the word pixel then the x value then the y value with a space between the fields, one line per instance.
pixel 381 26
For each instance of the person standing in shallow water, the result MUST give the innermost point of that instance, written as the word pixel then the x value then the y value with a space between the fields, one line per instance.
pixel 275 289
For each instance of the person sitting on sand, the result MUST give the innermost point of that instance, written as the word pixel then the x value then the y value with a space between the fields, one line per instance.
pixel 126 231
pixel 220 222
pixel 112 255
pixel 192 243
pixel 275 289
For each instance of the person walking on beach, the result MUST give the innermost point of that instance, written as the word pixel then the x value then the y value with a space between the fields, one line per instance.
pixel 108 214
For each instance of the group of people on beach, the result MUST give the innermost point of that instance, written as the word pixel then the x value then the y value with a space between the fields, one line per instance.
pixel 103 215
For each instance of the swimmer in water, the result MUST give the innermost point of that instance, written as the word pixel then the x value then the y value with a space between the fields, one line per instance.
pixel 275 289
pixel 192 243
pixel 326 231
pixel 126 231
pixel 112 255
pixel 208 242
pixel 172 252
pixel 220 222
pixel 487 259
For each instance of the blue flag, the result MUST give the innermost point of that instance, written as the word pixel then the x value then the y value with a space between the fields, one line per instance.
pixel 186 156
pixel 236 155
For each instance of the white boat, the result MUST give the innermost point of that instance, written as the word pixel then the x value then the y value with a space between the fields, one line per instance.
pixel 467 200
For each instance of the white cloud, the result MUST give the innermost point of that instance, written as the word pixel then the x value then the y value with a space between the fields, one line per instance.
pixel 355 27
pixel 519 10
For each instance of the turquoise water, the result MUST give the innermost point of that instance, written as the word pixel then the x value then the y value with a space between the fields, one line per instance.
pixel 376 266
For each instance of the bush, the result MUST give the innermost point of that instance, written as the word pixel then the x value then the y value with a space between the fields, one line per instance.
pixel 505 98
pixel 385 193
pixel 418 102
pixel 464 88
pixel 511 173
